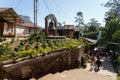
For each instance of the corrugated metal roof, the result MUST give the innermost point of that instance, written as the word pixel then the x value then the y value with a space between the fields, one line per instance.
pixel 68 27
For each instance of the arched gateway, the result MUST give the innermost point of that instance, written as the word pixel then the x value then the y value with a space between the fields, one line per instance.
pixel 50 25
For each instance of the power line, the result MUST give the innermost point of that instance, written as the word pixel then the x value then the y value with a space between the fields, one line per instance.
pixel 61 10
pixel 47 6
pixel 40 7
pixel 18 4
pixel 55 8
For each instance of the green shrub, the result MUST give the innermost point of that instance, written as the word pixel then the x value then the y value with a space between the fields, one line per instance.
pixel 92 35
pixel 5 48
pixel 18 48
pixel 32 37
pixel 38 43
pixel 35 52
pixel 3 57
pixel 31 42
pixel 24 53
pixel 46 49
pixel 12 40
pixel 44 44
pixel 40 50
pixel 4 39
pixel 37 46
pixel 1 39
pixel 28 46
pixel 26 40
pixel 21 43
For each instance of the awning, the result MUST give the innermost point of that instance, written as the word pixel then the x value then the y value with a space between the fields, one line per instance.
pixel 91 40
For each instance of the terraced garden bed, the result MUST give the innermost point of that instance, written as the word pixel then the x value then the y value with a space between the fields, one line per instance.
pixel 37 56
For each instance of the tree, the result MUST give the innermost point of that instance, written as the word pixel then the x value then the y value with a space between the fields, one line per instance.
pixel 114 7
pixel 91 29
pixel 116 36
pixel 93 25
pixel 94 22
pixel 112 19
pixel 79 19
pixel 63 22
pixel 112 25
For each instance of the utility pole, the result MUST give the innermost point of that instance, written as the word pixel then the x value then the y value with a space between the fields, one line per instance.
pixel 35 14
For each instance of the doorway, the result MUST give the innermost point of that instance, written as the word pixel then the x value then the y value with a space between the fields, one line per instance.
pixel 1 28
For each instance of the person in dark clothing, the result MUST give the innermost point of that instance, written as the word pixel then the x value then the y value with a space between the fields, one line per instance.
pixel 98 63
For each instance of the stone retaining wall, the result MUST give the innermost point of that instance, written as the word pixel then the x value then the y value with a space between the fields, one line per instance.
pixel 53 62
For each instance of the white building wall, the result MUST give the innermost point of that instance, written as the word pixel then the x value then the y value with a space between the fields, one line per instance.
pixel 24 31
pixel 8 29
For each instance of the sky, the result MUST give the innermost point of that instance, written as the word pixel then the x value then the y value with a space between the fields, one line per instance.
pixel 64 10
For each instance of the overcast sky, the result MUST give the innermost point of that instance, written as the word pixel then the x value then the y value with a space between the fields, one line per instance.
pixel 64 10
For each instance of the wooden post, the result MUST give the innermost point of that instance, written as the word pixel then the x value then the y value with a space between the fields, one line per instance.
pixel 46 27
pixel 35 14
pixel 14 26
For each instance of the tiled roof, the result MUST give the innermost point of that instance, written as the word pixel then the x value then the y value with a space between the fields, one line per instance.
pixel 9 15
pixel 27 25
pixel 13 13
pixel 3 9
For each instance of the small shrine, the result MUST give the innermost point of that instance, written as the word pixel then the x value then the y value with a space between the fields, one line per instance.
pixel 50 25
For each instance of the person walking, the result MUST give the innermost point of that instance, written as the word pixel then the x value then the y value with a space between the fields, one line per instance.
pixel 93 61
pixel 98 63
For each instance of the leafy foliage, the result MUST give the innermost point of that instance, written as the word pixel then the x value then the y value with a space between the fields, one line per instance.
pixel 112 21
pixel 79 19
pixel 92 35
pixel 5 48
pixel 91 29
pixel 114 7
pixel 27 47
pixel 35 46
pixel 111 32
pixel 2 39
pixel 94 22
pixel 116 36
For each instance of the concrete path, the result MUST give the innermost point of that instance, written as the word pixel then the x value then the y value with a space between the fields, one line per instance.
pixel 106 69
pixel 106 72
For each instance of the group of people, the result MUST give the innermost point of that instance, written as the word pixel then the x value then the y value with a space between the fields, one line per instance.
pixel 95 60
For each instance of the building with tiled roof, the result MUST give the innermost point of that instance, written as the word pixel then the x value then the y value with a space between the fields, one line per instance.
pixel 11 24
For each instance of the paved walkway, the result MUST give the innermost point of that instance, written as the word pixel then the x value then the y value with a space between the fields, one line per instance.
pixel 106 69
pixel 106 72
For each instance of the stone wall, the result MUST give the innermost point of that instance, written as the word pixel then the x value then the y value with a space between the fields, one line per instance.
pixel 53 62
